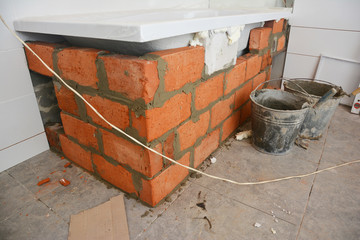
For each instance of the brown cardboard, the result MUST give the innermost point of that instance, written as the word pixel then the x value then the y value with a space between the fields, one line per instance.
pixel 106 222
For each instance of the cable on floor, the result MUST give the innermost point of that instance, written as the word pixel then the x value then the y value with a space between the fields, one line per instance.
pixel 160 154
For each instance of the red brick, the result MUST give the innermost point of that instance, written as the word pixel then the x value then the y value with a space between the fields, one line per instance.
pixel 207 146
pixel 242 95
pixel 169 146
pixel 129 153
pixel 266 60
pixel 259 79
pixel 83 132
pixel 236 76
pixel 158 121
pixel 259 38
pixel 116 113
pixel 253 65
pixel 76 153
pixel 44 51
pixel 276 26
pixel 245 112
pixel 131 76
pixel 78 64
pixel 154 190
pixel 191 131
pixel 222 110
pixel 66 100
pixel 139 123
pixel 184 65
pixel 281 43
pixel 230 125
pixel 116 175
pixel 209 91
pixel 52 134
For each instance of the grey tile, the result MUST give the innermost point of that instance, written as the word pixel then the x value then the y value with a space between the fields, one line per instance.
pixel 333 211
pixel 229 220
pixel 84 192
pixel 140 217
pixel 34 221
pixel 44 165
pixel 243 163
pixel 12 196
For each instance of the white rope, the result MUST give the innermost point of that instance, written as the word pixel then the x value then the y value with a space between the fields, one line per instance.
pixel 152 150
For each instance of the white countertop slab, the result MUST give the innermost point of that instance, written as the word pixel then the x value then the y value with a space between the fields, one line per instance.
pixel 146 25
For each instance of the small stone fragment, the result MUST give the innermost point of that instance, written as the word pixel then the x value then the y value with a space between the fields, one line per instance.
pixel 43 181
pixel 276 220
pixel 145 214
pixel 64 182
pixel 198 175
pixel 257 225
pixel 168 199
pixel 201 205
pixel 193 175
pixel 273 231
pixel 213 160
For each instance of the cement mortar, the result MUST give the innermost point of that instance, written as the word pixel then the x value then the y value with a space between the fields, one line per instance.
pixel 138 107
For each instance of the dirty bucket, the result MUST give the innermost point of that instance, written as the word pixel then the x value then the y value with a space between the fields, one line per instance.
pixel 319 117
pixel 276 118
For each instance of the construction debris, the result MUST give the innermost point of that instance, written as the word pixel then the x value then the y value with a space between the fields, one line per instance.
pixel 210 226
pixel 43 181
pixel 243 135
pixel 64 182
pixel 257 225
pixel 213 160
pixel 67 165
pixel 302 143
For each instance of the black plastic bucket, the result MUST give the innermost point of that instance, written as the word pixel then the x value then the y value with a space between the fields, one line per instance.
pixel 276 118
pixel 317 118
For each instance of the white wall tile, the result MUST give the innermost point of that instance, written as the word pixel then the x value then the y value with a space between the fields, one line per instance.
pixel 300 66
pixel 334 14
pixel 15 77
pixel 316 42
pixel 341 73
pixel 17 153
pixel 20 119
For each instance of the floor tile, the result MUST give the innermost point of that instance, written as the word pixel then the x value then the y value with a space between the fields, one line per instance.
pixel 12 195
pixel 34 221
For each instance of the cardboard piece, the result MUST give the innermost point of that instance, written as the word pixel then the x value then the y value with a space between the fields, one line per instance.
pixel 106 222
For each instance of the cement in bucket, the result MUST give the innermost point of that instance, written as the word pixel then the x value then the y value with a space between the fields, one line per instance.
pixel 317 118
pixel 276 118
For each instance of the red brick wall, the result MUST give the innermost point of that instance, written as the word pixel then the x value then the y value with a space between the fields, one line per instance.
pixel 162 99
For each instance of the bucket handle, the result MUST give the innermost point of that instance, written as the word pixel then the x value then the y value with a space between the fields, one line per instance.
pixel 286 80
pixel 338 88
pixel 313 80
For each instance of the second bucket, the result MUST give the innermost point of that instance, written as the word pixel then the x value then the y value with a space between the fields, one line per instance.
pixel 317 118
pixel 276 118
